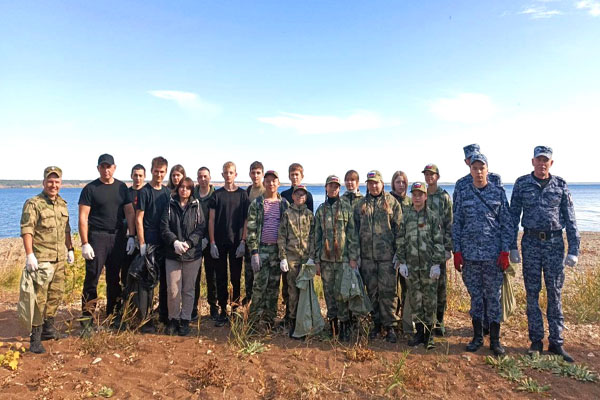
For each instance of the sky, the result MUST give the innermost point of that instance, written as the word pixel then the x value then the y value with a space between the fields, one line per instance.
pixel 333 85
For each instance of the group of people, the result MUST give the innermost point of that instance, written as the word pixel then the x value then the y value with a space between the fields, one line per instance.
pixel 398 245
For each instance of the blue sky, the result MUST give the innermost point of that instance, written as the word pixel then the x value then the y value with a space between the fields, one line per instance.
pixel 382 85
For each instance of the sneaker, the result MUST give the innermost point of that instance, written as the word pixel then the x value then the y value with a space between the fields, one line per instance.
pixel 222 320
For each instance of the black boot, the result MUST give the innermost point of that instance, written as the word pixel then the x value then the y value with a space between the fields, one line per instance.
pixel 374 332
pixel 486 327
pixel 172 327
pixel 36 340
pixel 391 336
pixel 428 337
pixel 536 347
pixel 345 331
pixel 558 349
pixel 419 336
pixel 495 345
pixel 477 341
pixel 49 331
pixel 184 327
pixel 291 327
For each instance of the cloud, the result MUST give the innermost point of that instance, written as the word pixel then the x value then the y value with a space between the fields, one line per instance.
pixel 540 12
pixel 188 101
pixel 467 108
pixel 592 7
pixel 322 124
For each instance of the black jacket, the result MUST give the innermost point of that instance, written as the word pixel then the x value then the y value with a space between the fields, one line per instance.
pixel 186 225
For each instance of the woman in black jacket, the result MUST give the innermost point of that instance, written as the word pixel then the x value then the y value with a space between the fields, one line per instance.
pixel 182 228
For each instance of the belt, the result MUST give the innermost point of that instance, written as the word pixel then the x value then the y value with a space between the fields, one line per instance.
pixel 104 230
pixel 268 244
pixel 542 235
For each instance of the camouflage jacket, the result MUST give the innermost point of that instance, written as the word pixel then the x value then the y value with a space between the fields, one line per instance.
pixel 254 224
pixel 48 222
pixel 335 236
pixel 423 240
pixel 295 238
pixel 351 198
pixel 378 223
pixel 544 209
pixel 440 203
pixel 463 182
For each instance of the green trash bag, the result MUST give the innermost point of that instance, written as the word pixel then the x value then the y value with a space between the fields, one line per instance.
pixel 508 300
pixel 352 290
pixel 31 284
pixel 309 320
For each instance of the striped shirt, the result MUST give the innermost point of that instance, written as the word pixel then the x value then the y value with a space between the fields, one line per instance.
pixel 270 222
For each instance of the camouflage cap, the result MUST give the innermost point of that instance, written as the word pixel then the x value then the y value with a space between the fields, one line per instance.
pixel 299 187
pixel 332 179
pixel 52 170
pixel 271 172
pixel 470 150
pixel 418 186
pixel 479 157
pixel 542 151
pixel 431 168
pixel 374 176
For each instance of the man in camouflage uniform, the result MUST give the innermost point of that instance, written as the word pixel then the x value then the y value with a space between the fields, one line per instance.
pixel 335 244
pixel 264 252
pixel 378 219
pixel 46 234
pixel 440 203
pixel 419 261
pixel 547 208
pixel 295 241
pixel 482 234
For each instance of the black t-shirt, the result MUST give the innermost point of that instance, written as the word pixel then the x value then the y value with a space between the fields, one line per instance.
pixel 106 203
pixel 542 182
pixel 231 211
pixel 133 195
pixel 287 194
pixel 153 203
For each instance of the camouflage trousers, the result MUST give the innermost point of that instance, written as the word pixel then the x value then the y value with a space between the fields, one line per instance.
pixel 441 294
pixel 380 278
pixel 48 297
pixel 331 276
pixel 265 291
pixel 422 294
pixel 547 256
pixel 292 291
pixel 483 280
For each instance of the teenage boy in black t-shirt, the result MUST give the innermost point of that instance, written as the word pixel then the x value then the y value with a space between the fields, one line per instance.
pixel 228 210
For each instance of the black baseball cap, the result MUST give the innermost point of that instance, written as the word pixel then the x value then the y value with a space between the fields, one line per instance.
pixel 106 159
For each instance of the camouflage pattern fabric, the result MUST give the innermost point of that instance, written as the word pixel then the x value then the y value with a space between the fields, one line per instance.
pixel 335 236
pixel 331 276
pixel 423 243
pixel 351 198
pixel 422 294
pixel 294 265
pixel 380 279
pixel 463 182
pixel 483 280
pixel 254 224
pixel 296 233
pixel 265 291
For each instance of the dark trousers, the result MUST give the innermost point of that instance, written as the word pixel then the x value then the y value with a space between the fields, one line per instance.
pixel 211 282
pixel 109 250
pixel 248 275
pixel 235 271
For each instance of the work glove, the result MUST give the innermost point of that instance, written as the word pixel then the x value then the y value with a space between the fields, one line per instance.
pixel 515 257
pixel 31 265
pixel 87 252
pixel 283 265
pixel 395 259
pixel 214 252
pixel 204 243
pixel 130 248
pixel 502 261
pixel 310 262
pixel 70 257
pixel 180 247
pixel 255 262
pixel 434 271
pixel 143 249
pixel 448 255
pixel 241 250
pixel 403 270
pixel 458 261
pixel 571 260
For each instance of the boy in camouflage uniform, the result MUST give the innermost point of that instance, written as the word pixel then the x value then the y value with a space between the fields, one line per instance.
pixel 419 262
pixel 335 244
pixel 295 242
pixel 378 220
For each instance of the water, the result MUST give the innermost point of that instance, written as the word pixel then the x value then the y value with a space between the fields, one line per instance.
pixel 585 196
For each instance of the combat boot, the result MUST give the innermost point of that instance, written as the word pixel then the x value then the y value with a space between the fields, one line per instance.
pixel 419 336
pixel 36 340
pixel 292 327
pixel 49 331
pixel 495 345
pixel 373 333
pixel 428 337
pixel 391 336
pixel 184 327
pixel 558 350
pixel 536 347
pixel 477 341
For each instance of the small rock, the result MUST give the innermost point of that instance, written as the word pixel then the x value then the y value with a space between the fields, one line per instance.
pixel 117 355
pixel 209 351
pixel 591 355
pixel 466 357
pixel 96 361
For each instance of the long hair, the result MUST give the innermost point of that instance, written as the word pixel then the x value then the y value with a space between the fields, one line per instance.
pixel 404 178
pixel 176 168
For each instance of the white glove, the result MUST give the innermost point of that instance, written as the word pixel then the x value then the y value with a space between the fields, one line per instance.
pixel 310 262
pixel 359 261
pixel 515 257
pixel 434 271
pixel 130 248
pixel 241 250
pixel 395 259
pixel 448 255
pixel 31 264
pixel 214 252
pixel 70 257
pixel 403 269
pixel 204 243
pixel 87 252
pixel 255 262
pixel 283 265
pixel 143 249
pixel 180 247
pixel 571 260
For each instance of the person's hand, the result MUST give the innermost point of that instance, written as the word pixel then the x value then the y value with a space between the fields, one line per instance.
pixel 448 255
pixel 571 260
pixel 502 261
pixel 180 247
pixel 458 261
pixel 403 270
pixel 283 265
pixel 70 257
pixel 515 257
pixel 130 248
pixel 87 252
pixel 318 269
pixel 434 271
pixel 31 264
pixel 214 252
pixel 143 248
pixel 255 262
pixel 353 264
pixel 241 250
pixel 204 243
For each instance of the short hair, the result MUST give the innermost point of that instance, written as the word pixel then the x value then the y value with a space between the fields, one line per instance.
pixel 203 169
pixel 351 175
pixel 176 168
pixel 396 175
pixel 138 166
pixel 159 162
pixel 229 164
pixel 296 167
pixel 257 165
pixel 188 182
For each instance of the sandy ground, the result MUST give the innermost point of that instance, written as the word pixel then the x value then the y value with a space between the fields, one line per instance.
pixel 203 365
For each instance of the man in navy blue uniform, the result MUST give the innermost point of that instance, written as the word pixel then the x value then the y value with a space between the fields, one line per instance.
pixel 547 207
